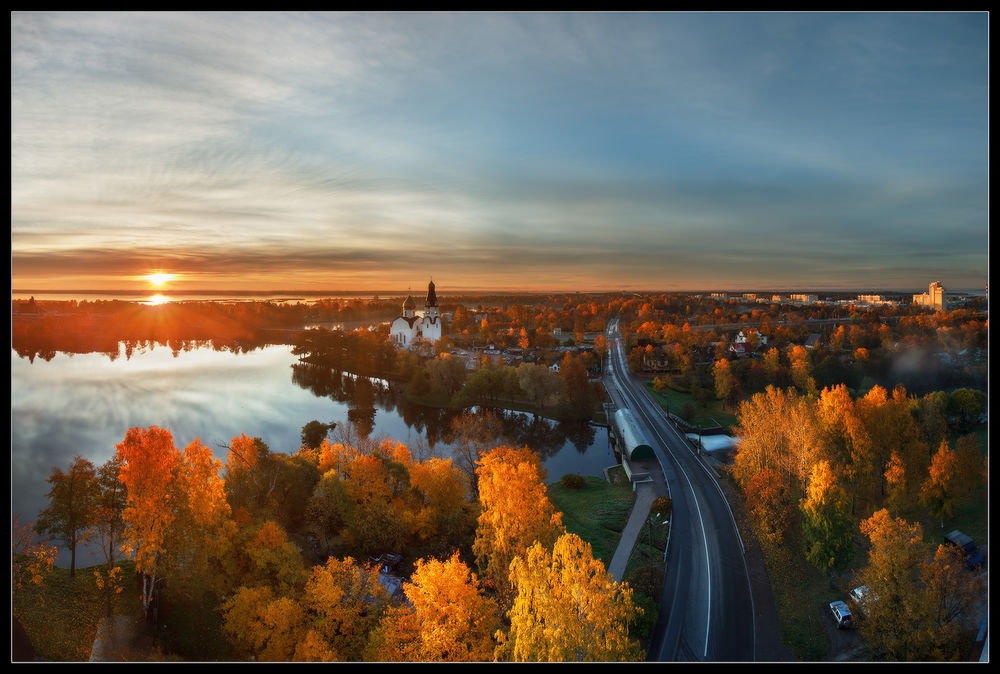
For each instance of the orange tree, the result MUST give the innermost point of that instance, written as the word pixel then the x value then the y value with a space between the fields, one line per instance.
pixel 150 466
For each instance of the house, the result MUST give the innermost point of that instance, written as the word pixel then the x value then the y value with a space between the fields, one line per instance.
pixel 813 341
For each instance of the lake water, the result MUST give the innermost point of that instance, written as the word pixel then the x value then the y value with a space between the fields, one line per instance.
pixel 82 404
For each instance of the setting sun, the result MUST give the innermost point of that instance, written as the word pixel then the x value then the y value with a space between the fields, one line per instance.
pixel 159 279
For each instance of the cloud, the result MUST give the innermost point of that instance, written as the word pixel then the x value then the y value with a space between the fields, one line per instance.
pixel 536 146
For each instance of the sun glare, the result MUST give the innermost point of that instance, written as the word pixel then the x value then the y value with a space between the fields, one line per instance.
pixel 159 279
pixel 157 300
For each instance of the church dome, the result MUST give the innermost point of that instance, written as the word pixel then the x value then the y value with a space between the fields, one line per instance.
pixel 409 303
pixel 432 299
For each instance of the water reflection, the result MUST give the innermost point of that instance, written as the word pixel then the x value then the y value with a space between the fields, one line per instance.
pixel 361 394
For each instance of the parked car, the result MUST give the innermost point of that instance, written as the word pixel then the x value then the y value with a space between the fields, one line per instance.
pixel 863 597
pixel 973 557
pixel 841 614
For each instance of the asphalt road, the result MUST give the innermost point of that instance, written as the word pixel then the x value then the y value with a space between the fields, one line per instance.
pixel 706 613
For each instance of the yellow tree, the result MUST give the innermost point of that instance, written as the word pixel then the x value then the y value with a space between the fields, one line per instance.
pixel 440 498
pixel 896 549
pixel 725 381
pixel 567 608
pixel 777 431
pixel 259 624
pixel 203 529
pixel 516 512
pixel 149 470
pixel 345 602
pixel 447 619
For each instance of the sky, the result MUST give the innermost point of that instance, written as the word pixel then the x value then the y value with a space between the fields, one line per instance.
pixel 506 151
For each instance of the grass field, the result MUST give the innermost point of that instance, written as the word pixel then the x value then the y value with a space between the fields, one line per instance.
pixel 713 414
pixel 596 512
pixel 61 617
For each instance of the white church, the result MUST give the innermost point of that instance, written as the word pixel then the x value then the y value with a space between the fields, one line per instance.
pixel 409 327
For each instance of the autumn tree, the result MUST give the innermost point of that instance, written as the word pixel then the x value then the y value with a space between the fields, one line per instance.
pixel 260 624
pixel 921 599
pixel 897 500
pixel 446 374
pixel 109 503
pixel 952 475
pixel 203 527
pixel 250 477
pixel 270 485
pixel 798 357
pixel 327 511
pixel 777 430
pixel 69 516
pixel 726 385
pixel 770 501
pixel 970 464
pixel 516 512
pixel 827 526
pixel 149 470
pixel 567 608
pixel 443 514
pixel 446 618
pixel 772 367
pixel 344 602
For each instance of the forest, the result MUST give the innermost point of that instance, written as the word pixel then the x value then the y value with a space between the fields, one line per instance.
pixel 275 556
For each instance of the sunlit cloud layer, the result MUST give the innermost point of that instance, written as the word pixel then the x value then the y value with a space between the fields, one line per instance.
pixel 513 151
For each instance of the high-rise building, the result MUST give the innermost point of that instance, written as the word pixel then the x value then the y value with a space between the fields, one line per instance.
pixel 934 297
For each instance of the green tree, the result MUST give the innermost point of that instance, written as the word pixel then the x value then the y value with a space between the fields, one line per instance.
pixel 314 433
pixel 446 374
pixel 69 516
pixel 827 526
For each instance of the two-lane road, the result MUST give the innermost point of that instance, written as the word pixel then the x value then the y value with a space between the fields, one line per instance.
pixel 707 608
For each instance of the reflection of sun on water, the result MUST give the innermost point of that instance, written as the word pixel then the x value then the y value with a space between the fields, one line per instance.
pixel 157 299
